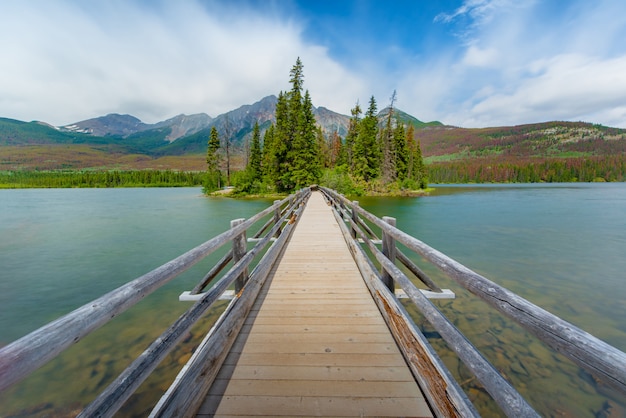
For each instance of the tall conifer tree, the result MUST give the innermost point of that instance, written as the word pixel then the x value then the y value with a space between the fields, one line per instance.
pixel 254 164
pixel 305 153
pixel 352 135
pixel 401 151
pixel 282 144
pixel 388 166
pixel 213 161
pixel 269 165
pixel 416 170
pixel 366 148
pixel 295 150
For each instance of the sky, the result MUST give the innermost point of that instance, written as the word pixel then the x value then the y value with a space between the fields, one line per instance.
pixel 469 63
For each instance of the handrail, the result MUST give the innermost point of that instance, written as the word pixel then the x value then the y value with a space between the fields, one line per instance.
pixel 511 402
pixel 594 355
pixel 25 355
pixel 445 396
pixel 187 392
pixel 114 396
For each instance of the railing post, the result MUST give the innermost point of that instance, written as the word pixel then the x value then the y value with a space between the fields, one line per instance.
pixel 355 217
pixel 389 250
pixel 277 217
pixel 239 250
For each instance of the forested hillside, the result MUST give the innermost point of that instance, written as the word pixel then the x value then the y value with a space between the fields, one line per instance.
pixel 366 151
pixel 546 152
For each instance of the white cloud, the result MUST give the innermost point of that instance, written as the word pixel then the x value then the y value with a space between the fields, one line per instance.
pixel 569 87
pixel 514 62
pixel 69 60
pixel 477 57
pixel 533 62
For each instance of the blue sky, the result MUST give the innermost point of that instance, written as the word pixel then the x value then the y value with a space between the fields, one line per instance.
pixel 471 63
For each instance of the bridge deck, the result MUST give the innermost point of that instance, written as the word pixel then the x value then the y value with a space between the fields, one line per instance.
pixel 315 343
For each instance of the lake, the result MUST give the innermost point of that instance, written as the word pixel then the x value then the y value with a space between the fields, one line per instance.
pixel 561 246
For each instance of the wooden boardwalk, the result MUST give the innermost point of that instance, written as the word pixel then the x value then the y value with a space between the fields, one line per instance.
pixel 315 343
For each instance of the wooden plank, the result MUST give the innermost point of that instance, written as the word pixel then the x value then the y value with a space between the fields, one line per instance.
pixel 315 343
pixel 313 337
pixel 319 347
pixel 314 328
pixel 321 388
pixel 347 321
pixel 294 406
pixel 317 359
pixel 295 374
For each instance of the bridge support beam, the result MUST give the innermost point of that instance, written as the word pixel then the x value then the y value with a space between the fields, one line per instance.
pixel 355 217
pixel 277 217
pixel 239 250
pixel 389 250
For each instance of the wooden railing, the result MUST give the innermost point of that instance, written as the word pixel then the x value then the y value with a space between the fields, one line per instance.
pixel 445 396
pixel 22 357
pixel 605 362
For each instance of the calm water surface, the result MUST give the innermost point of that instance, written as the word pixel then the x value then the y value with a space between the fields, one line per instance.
pixel 563 247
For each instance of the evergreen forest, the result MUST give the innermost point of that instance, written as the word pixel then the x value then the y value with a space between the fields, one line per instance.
pixel 280 147
pixel 294 152
pixel 114 178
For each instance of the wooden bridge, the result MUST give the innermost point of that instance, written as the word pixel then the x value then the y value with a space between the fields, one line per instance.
pixel 315 329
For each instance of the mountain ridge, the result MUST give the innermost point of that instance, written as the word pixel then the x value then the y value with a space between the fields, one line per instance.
pixel 236 123
pixel 36 145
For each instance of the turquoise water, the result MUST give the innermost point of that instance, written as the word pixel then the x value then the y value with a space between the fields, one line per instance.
pixel 563 247
pixel 61 248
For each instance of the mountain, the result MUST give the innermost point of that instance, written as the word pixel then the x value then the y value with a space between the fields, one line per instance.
pixel 184 134
pixel 124 126
pixel 406 119
pixel 239 123
pixel 112 124
pixel 183 125
pixel 15 132
pixel 331 121
pixel 37 145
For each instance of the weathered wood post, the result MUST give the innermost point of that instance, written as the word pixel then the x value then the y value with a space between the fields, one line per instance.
pixel 389 250
pixel 355 217
pixel 339 205
pixel 239 250
pixel 277 217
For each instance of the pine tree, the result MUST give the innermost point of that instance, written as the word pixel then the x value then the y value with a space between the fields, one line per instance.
pixel 269 165
pixel 402 153
pixel 228 140
pixel 416 169
pixel 388 167
pixel 213 161
pixel 420 167
pixel 305 153
pixel 325 151
pixel 254 164
pixel 352 135
pixel 337 151
pixel 282 145
pixel 366 148
pixel 411 144
pixel 295 149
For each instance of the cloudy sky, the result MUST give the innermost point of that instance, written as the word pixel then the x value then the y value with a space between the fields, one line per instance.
pixel 471 63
